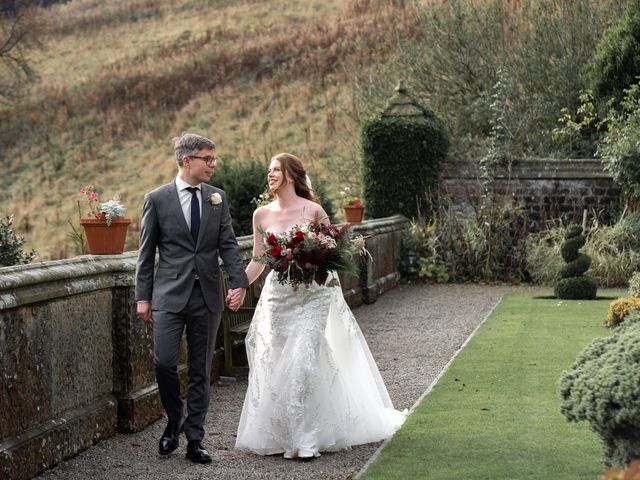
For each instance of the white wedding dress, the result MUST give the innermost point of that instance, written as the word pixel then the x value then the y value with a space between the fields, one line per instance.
pixel 313 384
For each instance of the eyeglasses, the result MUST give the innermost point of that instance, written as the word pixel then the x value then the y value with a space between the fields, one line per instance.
pixel 207 160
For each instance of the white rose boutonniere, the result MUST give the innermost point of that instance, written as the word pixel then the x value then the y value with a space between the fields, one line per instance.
pixel 214 199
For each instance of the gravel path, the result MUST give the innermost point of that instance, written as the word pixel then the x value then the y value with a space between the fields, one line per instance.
pixel 413 331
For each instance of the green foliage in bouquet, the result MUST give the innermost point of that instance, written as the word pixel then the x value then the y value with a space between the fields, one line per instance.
pixel 573 284
pixel 619 310
pixel 602 388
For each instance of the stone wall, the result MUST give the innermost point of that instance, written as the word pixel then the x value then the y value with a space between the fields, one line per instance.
pixel 76 362
pixel 546 188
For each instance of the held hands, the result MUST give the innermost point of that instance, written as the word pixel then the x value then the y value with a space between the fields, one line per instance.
pixel 235 297
pixel 144 312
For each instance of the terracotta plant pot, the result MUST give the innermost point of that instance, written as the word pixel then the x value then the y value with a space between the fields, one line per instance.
pixel 103 239
pixel 353 213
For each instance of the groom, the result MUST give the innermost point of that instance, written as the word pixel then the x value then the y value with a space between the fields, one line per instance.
pixel 188 222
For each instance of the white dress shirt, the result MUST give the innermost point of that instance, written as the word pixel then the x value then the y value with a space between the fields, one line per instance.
pixel 185 199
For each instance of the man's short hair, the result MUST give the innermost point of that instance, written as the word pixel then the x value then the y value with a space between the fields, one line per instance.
pixel 189 144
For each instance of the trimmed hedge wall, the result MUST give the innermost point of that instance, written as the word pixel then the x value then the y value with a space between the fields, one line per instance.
pixel 401 158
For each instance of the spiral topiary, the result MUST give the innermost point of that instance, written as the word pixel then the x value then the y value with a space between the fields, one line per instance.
pixel 573 284
pixel 602 388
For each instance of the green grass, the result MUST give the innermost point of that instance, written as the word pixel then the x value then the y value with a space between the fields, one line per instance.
pixel 495 413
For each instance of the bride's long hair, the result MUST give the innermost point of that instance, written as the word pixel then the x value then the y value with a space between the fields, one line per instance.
pixel 293 169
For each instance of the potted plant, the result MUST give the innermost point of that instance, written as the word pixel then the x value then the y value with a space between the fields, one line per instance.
pixel 353 207
pixel 105 226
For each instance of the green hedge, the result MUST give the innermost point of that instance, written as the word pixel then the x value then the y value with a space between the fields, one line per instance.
pixel 401 160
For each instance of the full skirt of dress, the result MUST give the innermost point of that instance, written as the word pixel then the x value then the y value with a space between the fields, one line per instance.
pixel 313 384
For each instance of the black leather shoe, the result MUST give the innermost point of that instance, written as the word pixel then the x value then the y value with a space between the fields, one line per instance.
pixel 197 453
pixel 170 438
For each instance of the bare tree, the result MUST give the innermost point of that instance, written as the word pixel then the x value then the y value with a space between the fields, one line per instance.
pixel 18 35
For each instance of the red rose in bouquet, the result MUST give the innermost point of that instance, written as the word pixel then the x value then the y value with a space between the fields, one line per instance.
pixel 308 252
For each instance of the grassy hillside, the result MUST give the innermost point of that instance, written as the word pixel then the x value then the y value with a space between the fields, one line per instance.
pixel 119 79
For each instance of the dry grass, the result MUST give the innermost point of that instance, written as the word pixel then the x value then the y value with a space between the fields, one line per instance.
pixel 119 79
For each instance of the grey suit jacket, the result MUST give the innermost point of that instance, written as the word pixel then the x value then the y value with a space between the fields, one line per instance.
pixel 165 228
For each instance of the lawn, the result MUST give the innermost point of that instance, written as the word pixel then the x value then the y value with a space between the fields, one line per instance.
pixel 495 413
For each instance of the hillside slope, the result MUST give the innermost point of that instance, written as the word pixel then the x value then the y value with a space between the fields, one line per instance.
pixel 119 79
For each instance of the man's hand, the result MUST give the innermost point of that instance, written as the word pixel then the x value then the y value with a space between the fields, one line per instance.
pixel 144 312
pixel 235 297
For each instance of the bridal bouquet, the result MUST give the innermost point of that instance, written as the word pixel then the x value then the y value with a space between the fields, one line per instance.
pixel 310 251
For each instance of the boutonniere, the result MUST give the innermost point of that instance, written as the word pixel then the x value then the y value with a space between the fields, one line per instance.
pixel 214 199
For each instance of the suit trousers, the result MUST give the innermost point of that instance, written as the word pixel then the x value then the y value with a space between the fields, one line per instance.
pixel 202 327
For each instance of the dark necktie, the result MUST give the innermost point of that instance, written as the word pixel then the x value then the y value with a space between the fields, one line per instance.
pixel 195 214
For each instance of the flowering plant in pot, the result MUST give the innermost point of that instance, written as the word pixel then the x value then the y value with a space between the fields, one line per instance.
pixel 352 205
pixel 105 225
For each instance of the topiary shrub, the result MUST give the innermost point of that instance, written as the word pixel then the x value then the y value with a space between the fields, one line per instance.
pixel 620 308
pixel 602 387
pixel 634 285
pixel 11 245
pixel 614 252
pixel 402 150
pixel 573 284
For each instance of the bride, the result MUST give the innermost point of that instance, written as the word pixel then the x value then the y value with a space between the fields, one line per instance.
pixel 313 384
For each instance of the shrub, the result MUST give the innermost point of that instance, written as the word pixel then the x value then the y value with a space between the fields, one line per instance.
pixel 11 245
pixel 401 158
pixel 602 387
pixel 241 182
pixel 573 285
pixel 632 317
pixel 616 62
pixel 619 145
pixel 576 288
pixel 419 256
pixel 544 260
pixel 620 308
pixel 489 246
pixel 634 285
pixel 614 252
